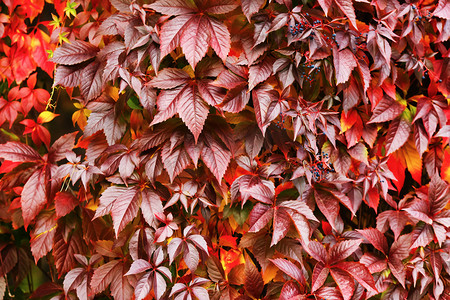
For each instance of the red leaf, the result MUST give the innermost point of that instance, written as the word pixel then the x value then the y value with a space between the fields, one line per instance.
pixel 151 205
pixel 104 275
pixel 173 7
pixel 62 146
pixel 347 8
pixel 169 78
pixel 387 109
pixel 259 217
pixel 360 273
pixel 422 235
pixel 174 161
pixel 34 196
pixel 442 10
pixel 250 7
pixel 122 203
pixel 265 101
pixel 376 238
pixel 344 63
pixel 396 220
pixel 342 250
pixel 193 111
pixel 290 269
pixel 220 39
pixel 74 53
pixel 317 251
pixel 329 293
pixel 260 72
pixel 194 39
pixel 215 156
pixel 68 76
pixel 65 202
pixel 281 224
pixel 18 152
pixel 319 276
pixel 139 266
pixel 397 134
pixel 328 205
pixel 344 281
pixel 8 111
pixel 171 33
pixel 291 291
pixel 73 279
pixel 221 6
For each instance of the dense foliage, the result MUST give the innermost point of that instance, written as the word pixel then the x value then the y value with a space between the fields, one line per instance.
pixel 225 150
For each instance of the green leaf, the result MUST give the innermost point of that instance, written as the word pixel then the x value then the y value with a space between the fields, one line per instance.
pixel 133 103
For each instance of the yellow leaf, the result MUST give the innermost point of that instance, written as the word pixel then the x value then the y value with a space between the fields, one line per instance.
pixel 46 116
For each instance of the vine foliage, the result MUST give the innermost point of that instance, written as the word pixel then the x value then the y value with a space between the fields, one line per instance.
pixel 225 149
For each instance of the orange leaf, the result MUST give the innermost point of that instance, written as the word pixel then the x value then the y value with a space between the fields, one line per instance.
pixel 348 120
pixel 412 159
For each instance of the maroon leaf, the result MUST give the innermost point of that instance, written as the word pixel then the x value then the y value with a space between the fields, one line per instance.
pixel 253 283
pixel 64 248
pixel 396 220
pixel 422 235
pixel 259 217
pixel 91 82
pixel 74 53
pixel 291 291
pixel 174 161
pixel 43 235
pixel 151 205
pixel 360 273
pixel 194 39
pixel 139 266
pixel 103 117
pixel 104 275
pixel 193 111
pixel 68 76
pixel 344 63
pixel 329 293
